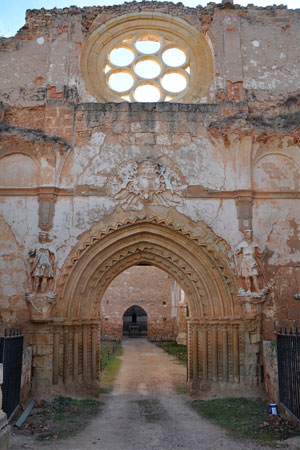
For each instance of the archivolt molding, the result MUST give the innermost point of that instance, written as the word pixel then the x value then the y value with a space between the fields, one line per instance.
pixel 177 267
pixel 185 249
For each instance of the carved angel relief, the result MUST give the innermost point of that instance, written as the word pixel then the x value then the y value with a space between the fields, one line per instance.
pixel 148 181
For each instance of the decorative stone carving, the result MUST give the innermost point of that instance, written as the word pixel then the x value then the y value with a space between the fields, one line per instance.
pixel 42 261
pixel 148 181
pixel 42 267
pixel 40 305
pixel 249 266
pixel 209 248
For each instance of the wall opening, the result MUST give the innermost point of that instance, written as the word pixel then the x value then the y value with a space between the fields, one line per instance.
pixel 135 322
pixel 144 301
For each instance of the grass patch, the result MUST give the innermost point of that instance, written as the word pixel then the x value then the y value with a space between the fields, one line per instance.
pixel 107 350
pixel 151 410
pixel 247 418
pixel 171 347
pixel 60 418
pixel 181 389
pixel 111 370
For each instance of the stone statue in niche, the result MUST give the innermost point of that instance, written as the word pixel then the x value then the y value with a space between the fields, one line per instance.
pixel 148 181
pixel 42 260
pixel 250 271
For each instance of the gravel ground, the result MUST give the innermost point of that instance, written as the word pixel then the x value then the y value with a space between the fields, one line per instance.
pixel 144 412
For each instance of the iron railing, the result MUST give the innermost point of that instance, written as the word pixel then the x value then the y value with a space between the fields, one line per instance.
pixel 288 354
pixel 11 350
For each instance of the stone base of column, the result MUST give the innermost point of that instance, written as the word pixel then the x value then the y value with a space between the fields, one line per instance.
pixel 4 431
pixel 194 387
pixel 90 388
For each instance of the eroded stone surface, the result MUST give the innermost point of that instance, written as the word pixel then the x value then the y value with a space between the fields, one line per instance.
pixel 225 163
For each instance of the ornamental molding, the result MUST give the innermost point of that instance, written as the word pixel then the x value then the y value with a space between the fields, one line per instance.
pixel 202 236
pixel 113 233
pixel 163 259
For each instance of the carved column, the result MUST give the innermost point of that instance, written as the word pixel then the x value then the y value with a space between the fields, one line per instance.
pixel 56 349
pixel 236 356
pixel 95 350
pixel 85 337
pixel 66 361
pixel 76 329
pixel 214 351
pixel 225 368
pixel 193 355
pixel 204 355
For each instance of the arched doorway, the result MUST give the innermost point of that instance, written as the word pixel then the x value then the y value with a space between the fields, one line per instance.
pixel 135 322
pixel 220 338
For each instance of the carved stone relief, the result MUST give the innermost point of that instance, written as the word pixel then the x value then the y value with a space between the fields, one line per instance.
pixel 249 267
pixel 157 225
pixel 42 261
pixel 40 305
pixel 147 181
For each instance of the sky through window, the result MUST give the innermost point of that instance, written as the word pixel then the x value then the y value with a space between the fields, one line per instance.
pixel 12 16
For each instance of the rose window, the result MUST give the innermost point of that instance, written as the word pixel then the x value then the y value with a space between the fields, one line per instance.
pixel 148 68
pixel 147 57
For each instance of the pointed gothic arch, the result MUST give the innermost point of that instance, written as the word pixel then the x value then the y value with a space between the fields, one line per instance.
pixel 218 333
pixel 188 251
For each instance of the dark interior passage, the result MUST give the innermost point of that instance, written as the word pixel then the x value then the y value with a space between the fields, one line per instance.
pixel 135 322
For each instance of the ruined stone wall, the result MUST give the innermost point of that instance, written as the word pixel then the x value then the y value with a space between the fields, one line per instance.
pixel 255 51
pixel 217 174
pixel 229 159
pixel 144 286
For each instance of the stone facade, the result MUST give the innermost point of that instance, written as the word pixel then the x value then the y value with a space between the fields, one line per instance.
pixel 174 185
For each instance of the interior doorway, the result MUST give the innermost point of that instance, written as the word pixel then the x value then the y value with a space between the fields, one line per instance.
pixel 135 322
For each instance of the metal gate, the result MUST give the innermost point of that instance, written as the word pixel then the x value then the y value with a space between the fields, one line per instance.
pixel 288 354
pixel 11 350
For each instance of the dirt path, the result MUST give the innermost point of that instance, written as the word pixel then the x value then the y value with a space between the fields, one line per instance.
pixel 144 412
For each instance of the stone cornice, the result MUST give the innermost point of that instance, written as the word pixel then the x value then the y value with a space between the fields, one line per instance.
pixel 192 192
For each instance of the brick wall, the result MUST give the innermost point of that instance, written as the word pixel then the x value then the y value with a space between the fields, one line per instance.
pixel 144 286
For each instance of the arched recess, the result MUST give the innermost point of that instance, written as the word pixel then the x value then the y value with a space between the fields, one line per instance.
pixel 190 252
pixel 19 170
pixel 135 321
pixel 219 338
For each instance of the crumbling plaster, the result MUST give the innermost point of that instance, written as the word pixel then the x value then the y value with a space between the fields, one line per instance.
pixel 278 226
pixel 84 171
